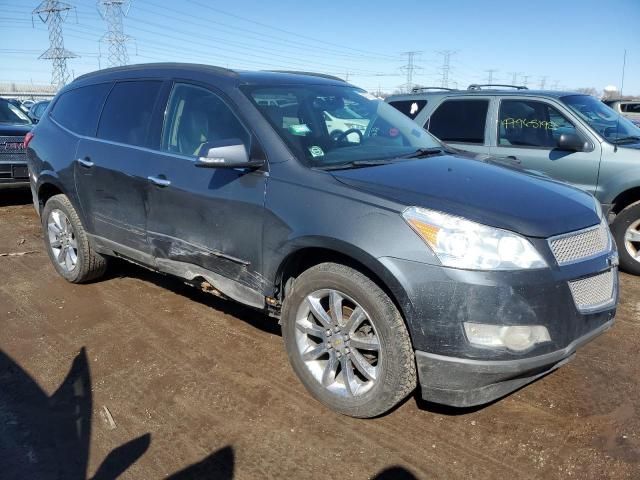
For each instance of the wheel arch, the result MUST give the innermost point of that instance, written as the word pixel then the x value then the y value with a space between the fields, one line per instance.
pixel 625 198
pixel 311 253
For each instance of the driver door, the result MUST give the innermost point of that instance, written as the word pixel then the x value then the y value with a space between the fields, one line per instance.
pixel 527 135
pixel 207 217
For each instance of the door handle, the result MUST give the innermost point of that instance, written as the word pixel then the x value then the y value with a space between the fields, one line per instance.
pixel 160 182
pixel 85 162
pixel 514 159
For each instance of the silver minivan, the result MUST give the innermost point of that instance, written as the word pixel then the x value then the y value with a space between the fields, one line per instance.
pixel 568 136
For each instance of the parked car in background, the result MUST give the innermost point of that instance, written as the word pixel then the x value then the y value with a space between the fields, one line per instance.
pixel 386 257
pixel 567 136
pixel 27 104
pixel 37 109
pixel 17 103
pixel 627 108
pixel 14 126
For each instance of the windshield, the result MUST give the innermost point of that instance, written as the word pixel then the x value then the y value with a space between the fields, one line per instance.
pixel 611 125
pixel 9 113
pixel 327 126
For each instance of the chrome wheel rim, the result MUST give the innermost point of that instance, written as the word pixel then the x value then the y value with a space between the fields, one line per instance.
pixel 632 240
pixel 338 343
pixel 62 240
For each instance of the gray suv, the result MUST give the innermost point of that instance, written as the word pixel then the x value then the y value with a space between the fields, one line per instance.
pixel 567 136
pixel 379 249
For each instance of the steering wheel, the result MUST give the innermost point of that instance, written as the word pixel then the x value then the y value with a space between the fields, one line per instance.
pixel 339 136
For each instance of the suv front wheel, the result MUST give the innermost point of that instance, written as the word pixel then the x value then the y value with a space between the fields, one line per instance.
pixel 67 242
pixel 347 341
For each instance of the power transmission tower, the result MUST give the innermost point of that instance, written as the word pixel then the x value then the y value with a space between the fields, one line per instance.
pixel 113 11
pixel 514 77
pixel 555 85
pixel 446 66
pixel 525 80
pixel 543 82
pixel 410 68
pixel 53 13
pixel 490 73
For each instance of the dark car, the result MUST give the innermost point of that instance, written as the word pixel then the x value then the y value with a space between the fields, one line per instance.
pixel 14 126
pixel 387 258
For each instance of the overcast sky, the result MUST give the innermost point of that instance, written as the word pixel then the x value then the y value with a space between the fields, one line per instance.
pixel 571 44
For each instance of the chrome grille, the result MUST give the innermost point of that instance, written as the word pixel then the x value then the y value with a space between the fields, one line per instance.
pixel 577 246
pixel 594 292
pixel 8 150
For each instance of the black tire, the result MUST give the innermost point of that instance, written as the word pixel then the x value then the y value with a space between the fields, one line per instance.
pixel 621 223
pixel 90 265
pixel 397 370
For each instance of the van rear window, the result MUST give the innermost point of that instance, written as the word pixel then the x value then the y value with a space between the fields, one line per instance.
pixel 78 109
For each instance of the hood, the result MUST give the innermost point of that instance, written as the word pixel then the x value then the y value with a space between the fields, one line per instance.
pixel 11 130
pixel 483 192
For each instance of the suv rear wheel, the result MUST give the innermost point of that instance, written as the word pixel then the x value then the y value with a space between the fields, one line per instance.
pixel 347 341
pixel 67 243
pixel 626 232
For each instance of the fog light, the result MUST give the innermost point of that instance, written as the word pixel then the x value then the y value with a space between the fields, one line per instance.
pixel 514 337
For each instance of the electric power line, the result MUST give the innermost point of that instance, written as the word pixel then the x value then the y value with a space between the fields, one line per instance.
pixel 53 13
pixel 113 11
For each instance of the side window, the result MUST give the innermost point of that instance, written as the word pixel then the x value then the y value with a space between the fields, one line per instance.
pixel 127 114
pixel 411 108
pixel 631 107
pixel 460 121
pixel 196 116
pixel 526 123
pixel 78 109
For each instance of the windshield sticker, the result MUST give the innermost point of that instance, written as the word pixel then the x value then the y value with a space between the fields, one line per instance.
pixel 316 151
pixel 394 132
pixel 524 123
pixel 300 129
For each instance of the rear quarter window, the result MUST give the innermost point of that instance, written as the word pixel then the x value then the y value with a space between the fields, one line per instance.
pixel 126 116
pixel 460 121
pixel 78 109
pixel 411 108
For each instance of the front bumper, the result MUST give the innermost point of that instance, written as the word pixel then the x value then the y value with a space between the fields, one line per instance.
pixel 440 300
pixel 464 382
pixel 13 174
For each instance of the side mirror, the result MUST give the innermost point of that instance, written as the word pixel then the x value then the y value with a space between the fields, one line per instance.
pixel 571 142
pixel 228 153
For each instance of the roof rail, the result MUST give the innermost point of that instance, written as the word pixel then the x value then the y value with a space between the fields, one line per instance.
pixel 312 74
pixel 421 89
pixel 479 86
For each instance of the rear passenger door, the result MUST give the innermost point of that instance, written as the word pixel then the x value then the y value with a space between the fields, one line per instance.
pixel 462 123
pixel 527 134
pixel 111 169
pixel 208 217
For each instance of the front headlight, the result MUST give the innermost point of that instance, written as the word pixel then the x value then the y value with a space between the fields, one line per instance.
pixel 461 243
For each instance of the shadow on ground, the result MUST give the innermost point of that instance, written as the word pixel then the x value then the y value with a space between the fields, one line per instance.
pixel 15 196
pixel 48 437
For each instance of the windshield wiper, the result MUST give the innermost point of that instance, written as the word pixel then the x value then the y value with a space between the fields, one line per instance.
pixel 630 138
pixel 357 164
pixel 424 152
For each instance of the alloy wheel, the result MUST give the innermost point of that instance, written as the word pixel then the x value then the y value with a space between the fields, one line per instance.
pixel 62 240
pixel 338 343
pixel 632 240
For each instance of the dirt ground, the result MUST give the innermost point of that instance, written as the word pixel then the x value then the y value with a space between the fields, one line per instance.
pixel 143 376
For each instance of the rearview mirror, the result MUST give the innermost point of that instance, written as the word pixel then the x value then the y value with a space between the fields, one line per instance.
pixel 571 142
pixel 228 153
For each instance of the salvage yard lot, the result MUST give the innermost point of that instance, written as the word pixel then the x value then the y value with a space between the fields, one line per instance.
pixel 205 386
